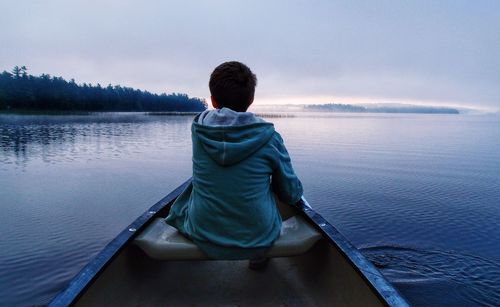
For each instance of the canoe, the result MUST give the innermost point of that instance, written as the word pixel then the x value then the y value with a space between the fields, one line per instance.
pixel 312 265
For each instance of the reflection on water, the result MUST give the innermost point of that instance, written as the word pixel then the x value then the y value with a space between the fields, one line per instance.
pixel 95 136
pixel 69 184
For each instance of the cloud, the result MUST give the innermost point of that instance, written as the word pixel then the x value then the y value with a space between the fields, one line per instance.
pixel 429 51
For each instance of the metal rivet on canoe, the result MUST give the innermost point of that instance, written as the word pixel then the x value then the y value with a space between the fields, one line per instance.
pixel 152 212
pixel 322 224
pixel 132 229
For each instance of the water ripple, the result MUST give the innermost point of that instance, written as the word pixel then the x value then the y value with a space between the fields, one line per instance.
pixel 474 280
pixel 69 184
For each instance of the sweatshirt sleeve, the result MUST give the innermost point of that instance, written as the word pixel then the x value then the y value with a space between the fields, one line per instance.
pixel 284 181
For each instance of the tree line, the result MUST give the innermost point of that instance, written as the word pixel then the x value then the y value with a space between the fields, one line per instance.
pixel 22 91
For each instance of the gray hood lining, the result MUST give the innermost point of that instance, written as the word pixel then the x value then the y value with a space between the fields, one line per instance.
pixel 227 117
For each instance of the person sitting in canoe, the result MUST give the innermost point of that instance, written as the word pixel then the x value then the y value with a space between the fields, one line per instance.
pixel 240 164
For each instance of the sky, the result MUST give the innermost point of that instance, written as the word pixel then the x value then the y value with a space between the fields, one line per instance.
pixel 421 52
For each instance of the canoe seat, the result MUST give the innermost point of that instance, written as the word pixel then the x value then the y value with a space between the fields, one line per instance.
pixel 163 242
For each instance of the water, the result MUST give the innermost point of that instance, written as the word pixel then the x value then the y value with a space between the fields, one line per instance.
pixel 418 194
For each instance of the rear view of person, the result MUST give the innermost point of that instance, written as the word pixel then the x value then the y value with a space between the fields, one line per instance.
pixel 239 164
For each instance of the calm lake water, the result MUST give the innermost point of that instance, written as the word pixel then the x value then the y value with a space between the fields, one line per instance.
pixel 418 194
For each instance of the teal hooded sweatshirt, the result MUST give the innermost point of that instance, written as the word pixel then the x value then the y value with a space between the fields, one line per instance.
pixel 229 209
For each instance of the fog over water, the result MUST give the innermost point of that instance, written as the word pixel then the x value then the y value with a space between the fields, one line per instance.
pixel 431 52
pixel 418 194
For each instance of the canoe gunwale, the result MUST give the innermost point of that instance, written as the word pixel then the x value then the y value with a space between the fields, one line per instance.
pixel 96 266
pixel 83 279
pixel 374 278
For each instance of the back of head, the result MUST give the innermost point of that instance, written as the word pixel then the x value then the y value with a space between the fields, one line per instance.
pixel 232 85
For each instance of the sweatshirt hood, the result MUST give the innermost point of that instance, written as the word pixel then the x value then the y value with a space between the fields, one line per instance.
pixel 229 137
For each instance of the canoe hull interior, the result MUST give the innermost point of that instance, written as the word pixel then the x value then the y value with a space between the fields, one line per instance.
pixel 332 273
pixel 320 277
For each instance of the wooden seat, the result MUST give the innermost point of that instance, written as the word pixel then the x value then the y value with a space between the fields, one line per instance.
pixel 163 242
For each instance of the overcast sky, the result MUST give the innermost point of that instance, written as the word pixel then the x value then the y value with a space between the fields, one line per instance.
pixel 439 52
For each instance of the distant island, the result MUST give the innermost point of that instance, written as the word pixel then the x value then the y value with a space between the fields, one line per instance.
pixel 22 91
pixel 393 108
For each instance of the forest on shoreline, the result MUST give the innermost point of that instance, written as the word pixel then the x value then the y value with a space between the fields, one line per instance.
pixel 22 91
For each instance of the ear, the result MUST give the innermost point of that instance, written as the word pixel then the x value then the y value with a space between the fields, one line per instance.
pixel 214 102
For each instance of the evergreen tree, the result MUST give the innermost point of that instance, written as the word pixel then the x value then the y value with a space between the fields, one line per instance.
pixel 16 71
pixel 21 91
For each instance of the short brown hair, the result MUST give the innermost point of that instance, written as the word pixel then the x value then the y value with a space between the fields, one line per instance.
pixel 232 84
